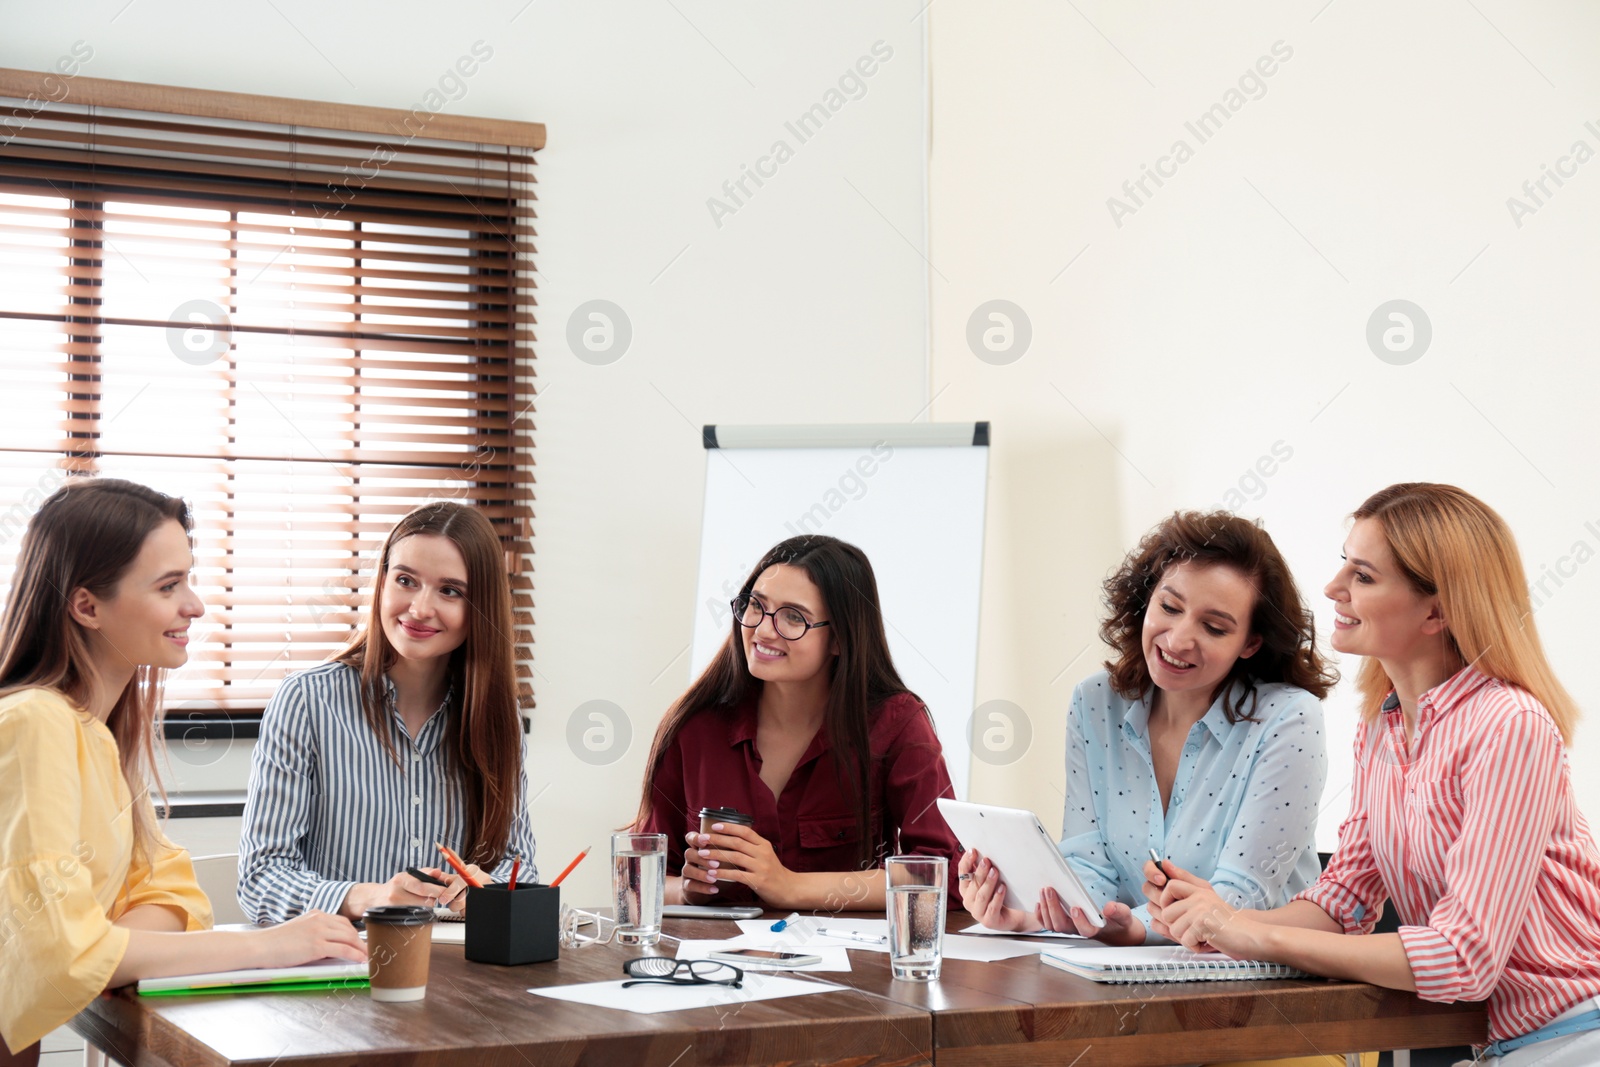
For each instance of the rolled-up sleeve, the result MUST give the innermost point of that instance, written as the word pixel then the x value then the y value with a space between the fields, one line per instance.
pixel 668 810
pixel 276 881
pixel 1509 793
pixel 1279 815
pixel 1351 889
pixel 915 777
pixel 1083 842
pixel 58 948
pixel 520 842
pixel 166 877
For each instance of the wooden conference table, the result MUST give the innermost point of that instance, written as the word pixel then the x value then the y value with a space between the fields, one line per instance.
pixel 1014 1012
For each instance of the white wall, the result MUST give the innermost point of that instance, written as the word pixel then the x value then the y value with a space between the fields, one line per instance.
pixel 808 304
pixel 1225 315
pixel 1228 312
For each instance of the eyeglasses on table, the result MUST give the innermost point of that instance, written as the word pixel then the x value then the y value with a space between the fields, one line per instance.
pixel 667 971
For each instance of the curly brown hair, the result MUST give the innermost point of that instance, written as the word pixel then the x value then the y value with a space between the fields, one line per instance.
pixel 1288 651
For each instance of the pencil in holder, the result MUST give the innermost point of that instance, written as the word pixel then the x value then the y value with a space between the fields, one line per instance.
pixel 513 926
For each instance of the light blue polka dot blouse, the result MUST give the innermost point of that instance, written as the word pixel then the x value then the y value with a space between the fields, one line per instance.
pixel 1243 810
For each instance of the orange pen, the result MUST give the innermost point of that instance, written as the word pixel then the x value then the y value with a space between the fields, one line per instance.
pixel 461 868
pixel 571 865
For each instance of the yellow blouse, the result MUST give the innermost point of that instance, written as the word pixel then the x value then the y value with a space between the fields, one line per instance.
pixel 67 869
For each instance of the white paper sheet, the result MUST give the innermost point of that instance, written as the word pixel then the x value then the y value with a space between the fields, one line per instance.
pixel 653 997
pixel 807 932
pixel 833 958
pixel 979 930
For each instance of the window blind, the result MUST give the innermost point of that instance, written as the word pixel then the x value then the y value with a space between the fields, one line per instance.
pixel 305 319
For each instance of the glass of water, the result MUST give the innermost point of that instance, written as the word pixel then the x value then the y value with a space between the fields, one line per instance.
pixel 916 915
pixel 638 886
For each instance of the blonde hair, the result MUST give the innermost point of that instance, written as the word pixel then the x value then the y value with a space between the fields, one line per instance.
pixel 1452 545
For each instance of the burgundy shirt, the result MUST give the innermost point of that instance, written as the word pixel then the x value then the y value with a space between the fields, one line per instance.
pixel 713 763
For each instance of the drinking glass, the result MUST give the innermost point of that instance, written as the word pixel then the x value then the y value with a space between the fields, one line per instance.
pixel 638 886
pixel 916 915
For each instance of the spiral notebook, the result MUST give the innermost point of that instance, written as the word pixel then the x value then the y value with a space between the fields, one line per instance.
pixel 1159 963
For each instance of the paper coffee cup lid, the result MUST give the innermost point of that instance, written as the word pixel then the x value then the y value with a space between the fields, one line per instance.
pixel 400 915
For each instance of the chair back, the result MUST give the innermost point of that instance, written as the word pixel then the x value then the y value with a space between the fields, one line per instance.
pixel 219 877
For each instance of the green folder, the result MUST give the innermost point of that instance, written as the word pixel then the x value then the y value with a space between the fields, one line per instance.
pixel 265 987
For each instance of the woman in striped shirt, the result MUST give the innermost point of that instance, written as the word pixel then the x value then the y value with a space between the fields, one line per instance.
pixel 409 737
pixel 1462 812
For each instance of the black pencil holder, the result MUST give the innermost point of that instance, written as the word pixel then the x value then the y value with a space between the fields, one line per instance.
pixel 513 926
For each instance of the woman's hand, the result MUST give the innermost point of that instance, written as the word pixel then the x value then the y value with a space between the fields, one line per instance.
pixel 1187 909
pixel 1202 922
pixel 454 894
pixel 402 889
pixel 983 894
pixel 734 853
pixel 699 881
pixel 1155 884
pixel 313 936
pixel 1121 927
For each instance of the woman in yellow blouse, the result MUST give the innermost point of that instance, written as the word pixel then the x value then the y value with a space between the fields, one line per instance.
pixel 92 894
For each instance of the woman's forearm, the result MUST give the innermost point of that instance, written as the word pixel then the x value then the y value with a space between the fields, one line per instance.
pixel 1376 958
pixel 161 954
pixel 1300 914
pixel 833 891
pixel 826 891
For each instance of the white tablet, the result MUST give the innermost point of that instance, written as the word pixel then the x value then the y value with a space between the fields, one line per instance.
pixel 1028 858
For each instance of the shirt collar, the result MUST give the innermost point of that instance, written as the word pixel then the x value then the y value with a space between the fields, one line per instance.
pixel 1444 697
pixel 391 701
pixel 1137 717
pixel 743 729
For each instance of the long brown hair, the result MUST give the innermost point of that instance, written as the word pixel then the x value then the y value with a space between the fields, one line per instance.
pixel 1452 545
pixel 862 674
pixel 483 736
pixel 85 536
pixel 1288 632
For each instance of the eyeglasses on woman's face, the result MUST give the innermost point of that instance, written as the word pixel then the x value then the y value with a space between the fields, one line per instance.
pixel 789 622
pixel 668 971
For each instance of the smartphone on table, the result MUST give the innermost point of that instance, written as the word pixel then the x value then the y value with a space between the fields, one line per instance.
pixel 765 957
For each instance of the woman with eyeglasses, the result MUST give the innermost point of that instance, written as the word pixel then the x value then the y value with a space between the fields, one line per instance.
pixel 801 723
pixel 1462 812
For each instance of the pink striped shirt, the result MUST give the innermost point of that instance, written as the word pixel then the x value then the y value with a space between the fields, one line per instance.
pixel 1472 832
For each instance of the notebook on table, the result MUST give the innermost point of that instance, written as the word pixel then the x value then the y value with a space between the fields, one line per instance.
pixel 323 974
pixel 1159 963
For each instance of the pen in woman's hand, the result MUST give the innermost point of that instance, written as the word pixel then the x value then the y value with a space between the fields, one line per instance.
pixel 1155 857
pixel 423 876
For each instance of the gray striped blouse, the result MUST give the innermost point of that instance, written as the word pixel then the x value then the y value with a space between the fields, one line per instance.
pixel 328 808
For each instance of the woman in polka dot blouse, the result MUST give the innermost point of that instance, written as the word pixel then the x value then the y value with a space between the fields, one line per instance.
pixel 1202 738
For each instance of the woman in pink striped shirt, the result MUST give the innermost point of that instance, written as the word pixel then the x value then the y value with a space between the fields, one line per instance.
pixel 1462 813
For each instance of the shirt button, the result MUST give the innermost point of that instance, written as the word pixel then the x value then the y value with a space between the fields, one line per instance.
pixel 416 842
pixel 416 757
pixel 416 800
